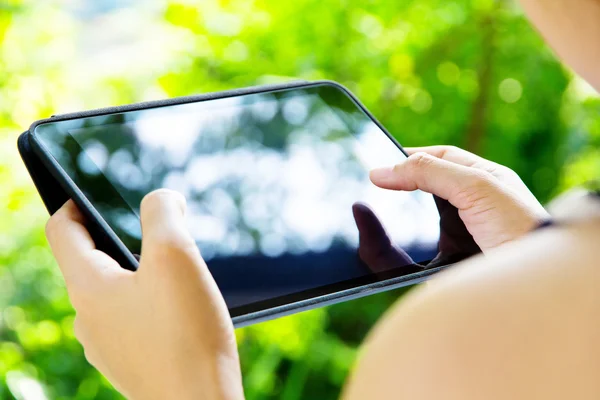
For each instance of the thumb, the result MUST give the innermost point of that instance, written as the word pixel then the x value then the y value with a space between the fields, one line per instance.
pixel 453 182
pixel 164 232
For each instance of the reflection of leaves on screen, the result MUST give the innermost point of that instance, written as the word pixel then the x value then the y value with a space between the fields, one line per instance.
pixel 269 173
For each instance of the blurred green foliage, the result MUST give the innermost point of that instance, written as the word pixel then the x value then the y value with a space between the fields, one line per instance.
pixel 467 72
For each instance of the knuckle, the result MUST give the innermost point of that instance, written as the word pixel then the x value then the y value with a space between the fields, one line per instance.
pixel 177 241
pixel 506 171
pixel 451 149
pixel 481 178
pixel 447 150
pixel 175 246
pixel 420 161
pixel 396 169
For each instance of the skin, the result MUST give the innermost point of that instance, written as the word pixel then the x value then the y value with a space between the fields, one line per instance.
pixel 519 322
pixel 571 27
pixel 159 333
pixel 165 329
pixel 492 201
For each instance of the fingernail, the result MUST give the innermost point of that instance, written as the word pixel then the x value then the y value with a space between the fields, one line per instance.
pixel 382 174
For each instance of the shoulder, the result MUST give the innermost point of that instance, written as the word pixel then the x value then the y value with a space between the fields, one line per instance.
pixel 521 322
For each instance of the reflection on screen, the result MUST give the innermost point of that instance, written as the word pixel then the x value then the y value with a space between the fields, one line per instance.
pixel 279 199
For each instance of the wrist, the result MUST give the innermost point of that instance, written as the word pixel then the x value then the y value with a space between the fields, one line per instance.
pixel 219 379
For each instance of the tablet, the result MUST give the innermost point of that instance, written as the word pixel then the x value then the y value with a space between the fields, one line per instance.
pixel 277 182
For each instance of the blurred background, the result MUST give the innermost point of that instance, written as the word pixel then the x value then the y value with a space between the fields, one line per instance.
pixel 472 73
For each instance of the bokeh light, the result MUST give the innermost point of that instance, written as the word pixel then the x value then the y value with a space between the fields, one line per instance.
pixel 471 73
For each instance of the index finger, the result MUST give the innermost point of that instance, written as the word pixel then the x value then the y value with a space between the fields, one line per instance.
pixel 72 245
pixel 449 153
pixel 445 179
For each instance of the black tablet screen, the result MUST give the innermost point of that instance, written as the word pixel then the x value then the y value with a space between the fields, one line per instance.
pixel 279 198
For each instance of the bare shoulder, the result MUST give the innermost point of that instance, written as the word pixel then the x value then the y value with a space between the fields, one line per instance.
pixel 572 28
pixel 523 322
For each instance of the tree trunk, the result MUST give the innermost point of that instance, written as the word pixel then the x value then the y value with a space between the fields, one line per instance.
pixel 477 126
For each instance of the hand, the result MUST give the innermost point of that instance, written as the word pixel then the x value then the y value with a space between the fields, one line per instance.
pixel 492 201
pixel 375 247
pixel 162 332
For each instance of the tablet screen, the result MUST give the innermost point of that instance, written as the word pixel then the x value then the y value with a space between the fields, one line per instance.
pixel 279 198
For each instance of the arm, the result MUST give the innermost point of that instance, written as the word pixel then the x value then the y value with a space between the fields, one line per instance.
pixel 572 27
pixel 521 322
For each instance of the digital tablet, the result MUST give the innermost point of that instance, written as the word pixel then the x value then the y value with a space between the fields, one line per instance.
pixel 277 182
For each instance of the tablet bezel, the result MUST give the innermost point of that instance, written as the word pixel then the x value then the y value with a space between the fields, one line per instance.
pixel 254 312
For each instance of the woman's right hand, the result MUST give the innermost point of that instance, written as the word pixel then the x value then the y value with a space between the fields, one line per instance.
pixel 492 201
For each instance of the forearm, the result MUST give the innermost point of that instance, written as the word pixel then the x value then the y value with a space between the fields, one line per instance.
pixel 572 27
